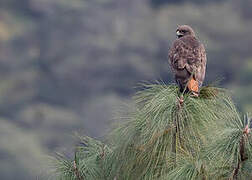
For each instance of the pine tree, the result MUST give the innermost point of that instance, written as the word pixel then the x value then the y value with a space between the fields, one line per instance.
pixel 168 136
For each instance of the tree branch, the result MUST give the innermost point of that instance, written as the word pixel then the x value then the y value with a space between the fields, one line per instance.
pixel 243 156
pixel 76 171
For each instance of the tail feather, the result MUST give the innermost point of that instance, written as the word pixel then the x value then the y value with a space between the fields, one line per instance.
pixel 193 86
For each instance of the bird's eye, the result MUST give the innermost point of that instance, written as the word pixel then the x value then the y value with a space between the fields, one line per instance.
pixel 183 31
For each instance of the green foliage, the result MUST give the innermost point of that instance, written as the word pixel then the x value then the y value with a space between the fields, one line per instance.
pixel 224 153
pixel 164 138
pixel 91 161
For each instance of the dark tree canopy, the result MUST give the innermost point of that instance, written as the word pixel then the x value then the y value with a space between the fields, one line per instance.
pixel 159 3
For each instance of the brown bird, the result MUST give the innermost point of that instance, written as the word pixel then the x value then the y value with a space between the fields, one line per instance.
pixel 188 60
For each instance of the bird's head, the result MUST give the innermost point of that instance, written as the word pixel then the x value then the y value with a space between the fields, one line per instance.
pixel 184 30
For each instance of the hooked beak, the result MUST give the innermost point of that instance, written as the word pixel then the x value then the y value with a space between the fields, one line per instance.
pixel 179 34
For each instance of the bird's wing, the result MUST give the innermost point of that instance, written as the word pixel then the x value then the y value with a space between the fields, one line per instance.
pixel 201 70
pixel 196 62
pixel 177 55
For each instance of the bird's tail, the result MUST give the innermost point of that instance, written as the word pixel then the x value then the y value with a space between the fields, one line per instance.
pixel 193 86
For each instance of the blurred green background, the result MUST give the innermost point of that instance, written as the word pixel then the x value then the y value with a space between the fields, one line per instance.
pixel 68 66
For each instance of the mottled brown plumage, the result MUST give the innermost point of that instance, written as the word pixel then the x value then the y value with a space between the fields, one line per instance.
pixel 188 60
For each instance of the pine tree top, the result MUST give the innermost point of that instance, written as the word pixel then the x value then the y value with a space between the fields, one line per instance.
pixel 167 137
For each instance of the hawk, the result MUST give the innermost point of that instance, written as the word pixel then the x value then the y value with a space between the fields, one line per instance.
pixel 188 60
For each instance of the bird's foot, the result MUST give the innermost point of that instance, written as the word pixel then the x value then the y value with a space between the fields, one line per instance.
pixel 194 94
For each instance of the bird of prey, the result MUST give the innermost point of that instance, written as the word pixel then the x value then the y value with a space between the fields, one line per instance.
pixel 188 60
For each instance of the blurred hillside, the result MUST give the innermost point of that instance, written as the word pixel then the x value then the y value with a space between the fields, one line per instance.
pixel 67 66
